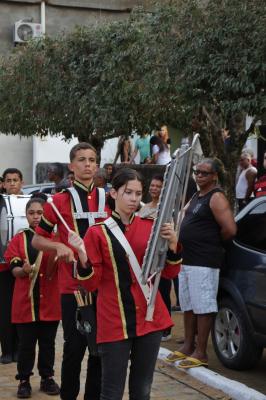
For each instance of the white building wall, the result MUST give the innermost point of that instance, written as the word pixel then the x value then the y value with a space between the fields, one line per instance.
pixel 16 152
pixel 55 149
pixel 50 149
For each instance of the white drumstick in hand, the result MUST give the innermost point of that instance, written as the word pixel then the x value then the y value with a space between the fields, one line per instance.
pixel 50 201
pixel 70 232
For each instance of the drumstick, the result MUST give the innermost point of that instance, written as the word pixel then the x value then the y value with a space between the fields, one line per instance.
pixel 50 200
pixel 77 297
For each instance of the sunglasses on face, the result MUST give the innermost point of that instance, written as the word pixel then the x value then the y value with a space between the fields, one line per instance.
pixel 203 173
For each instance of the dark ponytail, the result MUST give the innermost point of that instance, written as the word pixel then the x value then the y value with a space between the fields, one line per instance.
pixel 121 178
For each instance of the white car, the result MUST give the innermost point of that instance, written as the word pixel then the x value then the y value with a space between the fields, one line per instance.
pixel 38 187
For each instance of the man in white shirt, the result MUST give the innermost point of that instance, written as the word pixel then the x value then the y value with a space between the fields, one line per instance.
pixel 245 181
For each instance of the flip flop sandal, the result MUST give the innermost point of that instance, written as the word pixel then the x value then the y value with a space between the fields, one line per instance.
pixel 191 362
pixel 176 356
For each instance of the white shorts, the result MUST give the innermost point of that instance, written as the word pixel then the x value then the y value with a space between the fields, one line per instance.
pixel 198 287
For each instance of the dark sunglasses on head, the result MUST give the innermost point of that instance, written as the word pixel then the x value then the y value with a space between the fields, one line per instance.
pixel 203 173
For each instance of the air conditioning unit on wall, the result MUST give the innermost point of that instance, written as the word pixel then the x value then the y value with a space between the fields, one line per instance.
pixel 25 31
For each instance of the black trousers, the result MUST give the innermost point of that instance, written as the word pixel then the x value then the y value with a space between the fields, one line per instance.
pixel 165 290
pixel 75 345
pixel 8 332
pixel 176 288
pixel 43 332
pixel 142 351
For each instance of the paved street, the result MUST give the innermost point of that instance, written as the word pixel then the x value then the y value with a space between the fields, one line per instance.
pixel 254 378
pixel 169 384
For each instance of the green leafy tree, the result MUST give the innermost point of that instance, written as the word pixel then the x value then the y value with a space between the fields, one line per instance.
pixel 197 66
pixel 222 59
pixel 215 54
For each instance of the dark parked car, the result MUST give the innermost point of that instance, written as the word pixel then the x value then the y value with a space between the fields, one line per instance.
pixel 239 330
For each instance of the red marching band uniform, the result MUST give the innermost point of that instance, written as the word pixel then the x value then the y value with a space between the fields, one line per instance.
pixel 64 203
pixel 35 311
pixel 121 305
pixel 75 343
pixel 42 303
pixel 260 187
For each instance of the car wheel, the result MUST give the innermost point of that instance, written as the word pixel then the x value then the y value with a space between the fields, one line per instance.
pixel 231 340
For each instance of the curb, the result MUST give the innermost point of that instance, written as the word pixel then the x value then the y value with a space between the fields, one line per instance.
pixel 237 390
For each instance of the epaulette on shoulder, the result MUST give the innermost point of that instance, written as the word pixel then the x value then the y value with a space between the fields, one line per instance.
pixel 98 223
pixel 22 230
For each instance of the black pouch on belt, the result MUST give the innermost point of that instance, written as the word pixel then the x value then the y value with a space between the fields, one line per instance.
pixel 87 325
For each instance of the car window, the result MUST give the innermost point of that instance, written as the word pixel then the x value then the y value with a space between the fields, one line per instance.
pixel 252 228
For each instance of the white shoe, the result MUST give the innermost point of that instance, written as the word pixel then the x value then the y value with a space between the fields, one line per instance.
pixel 166 337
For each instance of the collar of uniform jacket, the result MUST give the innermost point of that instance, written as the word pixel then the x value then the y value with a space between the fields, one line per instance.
pixel 117 218
pixel 79 185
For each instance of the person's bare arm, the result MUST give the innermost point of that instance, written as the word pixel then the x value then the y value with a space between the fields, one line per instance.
pixel 135 152
pixel 223 215
pixel 126 152
pixel 62 251
pixel 155 158
pixel 251 177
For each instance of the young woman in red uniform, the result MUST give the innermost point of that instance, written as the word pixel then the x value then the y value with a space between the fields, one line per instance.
pixel 35 305
pixel 123 334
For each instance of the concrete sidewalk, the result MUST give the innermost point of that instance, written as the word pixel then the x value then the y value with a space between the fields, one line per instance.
pixel 169 383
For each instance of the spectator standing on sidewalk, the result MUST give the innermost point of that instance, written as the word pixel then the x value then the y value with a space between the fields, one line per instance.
pixel 35 305
pixel 164 135
pixel 160 151
pixel 70 178
pixel 142 146
pixel 13 181
pixel 149 210
pixel 124 149
pixel 56 175
pixel 208 221
pixel 245 181
pixel 109 171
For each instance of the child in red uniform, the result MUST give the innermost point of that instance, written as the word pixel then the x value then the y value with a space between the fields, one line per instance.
pixel 35 305
pixel 123 334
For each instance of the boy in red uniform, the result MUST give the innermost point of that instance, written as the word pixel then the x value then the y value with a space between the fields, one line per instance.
pixel 35 305
pixel 87 197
